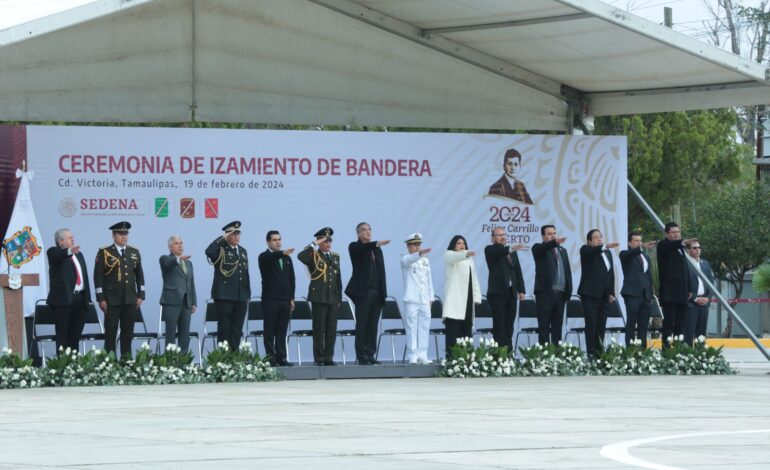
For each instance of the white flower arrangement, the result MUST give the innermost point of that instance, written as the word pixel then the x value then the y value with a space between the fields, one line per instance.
pixel 489 360
pixel 99 368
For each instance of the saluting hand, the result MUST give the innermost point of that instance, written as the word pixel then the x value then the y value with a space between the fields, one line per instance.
pixel 561 240
pixel 612 245
pixel 75 249
pixel 519 247
pixel 424 251
pixel 184 257
pixel 319 240
pixel 383 242
pixel 650 245
pixel 288 252
pixel 469 253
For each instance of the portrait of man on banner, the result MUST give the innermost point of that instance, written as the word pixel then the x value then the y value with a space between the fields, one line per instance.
pixel 509 185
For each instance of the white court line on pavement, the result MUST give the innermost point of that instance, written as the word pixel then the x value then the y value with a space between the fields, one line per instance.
pixel 619 450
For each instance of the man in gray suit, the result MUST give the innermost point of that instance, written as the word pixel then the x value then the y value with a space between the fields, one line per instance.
pixel 178 298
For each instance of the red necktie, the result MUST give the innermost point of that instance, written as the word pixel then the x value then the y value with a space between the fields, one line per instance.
pixel 78 281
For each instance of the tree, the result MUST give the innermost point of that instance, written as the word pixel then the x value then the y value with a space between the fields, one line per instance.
pixel 747 29
pixel 675 159
pixel 735 235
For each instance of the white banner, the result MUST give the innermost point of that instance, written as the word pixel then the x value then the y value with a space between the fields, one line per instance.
pixel 193 181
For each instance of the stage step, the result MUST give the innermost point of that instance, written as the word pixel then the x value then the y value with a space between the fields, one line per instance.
pixel 354 371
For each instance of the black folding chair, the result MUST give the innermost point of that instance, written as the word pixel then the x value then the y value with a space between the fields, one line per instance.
pixel 436 311
pixel 211 317
pixel 162 335
pixel 655 313
pixel 575 312
pixel 347 316
pixel 44 317
pixel 390 312
pixel 144 334
pixel 483 311
pixel 93 328
pixel 302 313
pixel 615 312
pixel 256 315
pixel 527 311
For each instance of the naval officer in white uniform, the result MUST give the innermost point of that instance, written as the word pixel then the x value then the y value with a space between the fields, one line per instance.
pixel 418 296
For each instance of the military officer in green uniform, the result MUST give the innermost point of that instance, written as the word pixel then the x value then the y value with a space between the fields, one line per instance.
pixel 324 294
pixel 119 283
pixel 231 287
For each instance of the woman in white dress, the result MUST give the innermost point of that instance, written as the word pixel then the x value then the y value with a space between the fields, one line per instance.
pixel 461 291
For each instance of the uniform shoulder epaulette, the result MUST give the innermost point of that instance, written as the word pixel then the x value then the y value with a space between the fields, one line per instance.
pixel 132 247
pixel 334 253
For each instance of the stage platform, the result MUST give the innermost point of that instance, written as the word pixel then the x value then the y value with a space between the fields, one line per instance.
pixel 386 370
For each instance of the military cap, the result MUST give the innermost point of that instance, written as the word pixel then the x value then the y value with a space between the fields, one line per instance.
pixel 121 227
pixel 325 232
pixel 413 239
pixel 234 226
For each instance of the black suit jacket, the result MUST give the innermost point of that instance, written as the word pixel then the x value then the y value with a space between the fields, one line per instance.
pixel 277 283
pixel 504 271
pixel 361 258
pixel 636 281
pixel 177 286
pixel 62 277
pixel 673 272
pixel 545 268
pixel 693 280
pixel 595 279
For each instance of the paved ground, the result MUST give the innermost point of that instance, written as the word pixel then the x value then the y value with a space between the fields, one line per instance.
pixel 569 422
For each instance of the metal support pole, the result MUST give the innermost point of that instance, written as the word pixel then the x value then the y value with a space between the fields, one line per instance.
pixel 703 277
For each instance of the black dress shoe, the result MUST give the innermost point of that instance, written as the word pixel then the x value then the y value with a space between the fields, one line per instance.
pixel 285 363
pixel 319 363
pixel 374 362
pixel 364 362
pixel 330 363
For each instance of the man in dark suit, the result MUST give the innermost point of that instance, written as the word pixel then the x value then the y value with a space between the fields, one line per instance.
pixel 70 294
pixel 553 284
pixel 509 185
pixel 597 288
pixel 367 289
pixel 178 298
pixel 324 294
pixel 119 283
pixel 505 286
pixel 699 294
pixel 637 288
pixel 278 285
pixel 231 287
pixel 673 282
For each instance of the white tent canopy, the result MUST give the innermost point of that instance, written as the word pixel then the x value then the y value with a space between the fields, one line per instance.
pixel 487 64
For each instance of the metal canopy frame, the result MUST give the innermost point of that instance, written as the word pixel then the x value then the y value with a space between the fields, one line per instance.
pixel 738 81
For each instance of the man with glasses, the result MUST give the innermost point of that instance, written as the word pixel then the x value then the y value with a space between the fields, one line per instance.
pixel 699 294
